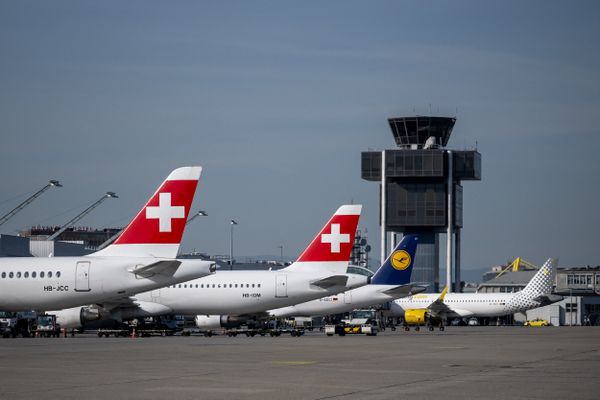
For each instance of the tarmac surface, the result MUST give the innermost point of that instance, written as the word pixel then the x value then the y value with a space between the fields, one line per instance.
pixel 460 363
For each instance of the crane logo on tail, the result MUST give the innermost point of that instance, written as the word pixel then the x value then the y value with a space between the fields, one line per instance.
pixel 400 260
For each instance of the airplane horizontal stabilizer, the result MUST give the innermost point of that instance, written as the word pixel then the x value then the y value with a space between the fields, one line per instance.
pixel 404 290
pixel 546 299
pixel 329 282
pixel 167 267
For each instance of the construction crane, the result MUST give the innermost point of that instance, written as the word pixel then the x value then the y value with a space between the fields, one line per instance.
pixel 108 195
pixel 11 213
pixel 518 264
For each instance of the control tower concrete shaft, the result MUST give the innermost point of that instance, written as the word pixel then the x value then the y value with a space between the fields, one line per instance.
pixel 421 192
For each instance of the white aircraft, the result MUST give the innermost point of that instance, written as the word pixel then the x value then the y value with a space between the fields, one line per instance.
pixel 391 281
pixel 432 308
pixel 142 258
pixel 320 270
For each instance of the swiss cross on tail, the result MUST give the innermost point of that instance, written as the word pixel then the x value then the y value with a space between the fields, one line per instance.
pixel 334 241
pixel 162 219
pixel 165 212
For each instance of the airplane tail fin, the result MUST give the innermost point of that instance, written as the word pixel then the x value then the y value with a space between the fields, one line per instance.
pixel 397 269
pixel 157 229
pixel 330 250
pixel 543 281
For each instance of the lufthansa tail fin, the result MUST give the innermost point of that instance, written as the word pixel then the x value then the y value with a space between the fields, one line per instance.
pixel 157 229
pixel 397 269
pixel 330 250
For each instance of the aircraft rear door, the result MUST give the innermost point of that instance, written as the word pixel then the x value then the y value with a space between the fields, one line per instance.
pixel 281 285
pixel 155 295
pixel 82 276
pixel 348 297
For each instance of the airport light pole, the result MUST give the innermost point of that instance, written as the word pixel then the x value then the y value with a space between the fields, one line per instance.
pixel 281 253
pixel 198 214
pixel 231 245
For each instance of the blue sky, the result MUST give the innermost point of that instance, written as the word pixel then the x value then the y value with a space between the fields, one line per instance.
pixel 277 100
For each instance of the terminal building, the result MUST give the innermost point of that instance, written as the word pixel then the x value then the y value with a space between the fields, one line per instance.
pixel 77 241
pixel 580 288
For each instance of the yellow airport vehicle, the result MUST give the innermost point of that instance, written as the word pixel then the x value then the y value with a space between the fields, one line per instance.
pixel 536 322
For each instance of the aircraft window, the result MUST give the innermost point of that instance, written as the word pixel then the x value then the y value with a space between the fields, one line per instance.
pixel 235 284
pixel 219 286
pixel 26 275
pixel 230 286
pixel 3 275
pixel 49 274
pixel 180 285
pixel 10 275
pixel 258 285
pixel 196 286
pixel 247 285
pixel 18 274
pixel 42 274
pixel 213 286
pixel 192 286
pixel 58 274
pixel 202 286
pixel 253 285
pixel 33 274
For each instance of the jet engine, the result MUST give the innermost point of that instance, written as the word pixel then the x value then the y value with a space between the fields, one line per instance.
pixel 416 316
pixel 73 318
pixel 208 322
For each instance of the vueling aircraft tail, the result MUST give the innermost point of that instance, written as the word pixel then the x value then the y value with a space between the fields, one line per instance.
pixel 543 281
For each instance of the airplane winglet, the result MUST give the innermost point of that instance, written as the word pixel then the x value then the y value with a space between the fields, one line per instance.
pixel 443 294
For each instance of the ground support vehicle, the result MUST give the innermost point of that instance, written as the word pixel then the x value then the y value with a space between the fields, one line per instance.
pixel 13 324
pixel 133 332
pixel 355 328
pixel 143 328
pixel 360 322
pixel 537 322
pixel 46 326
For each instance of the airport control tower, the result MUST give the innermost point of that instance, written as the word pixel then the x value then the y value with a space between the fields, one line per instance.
pixel 421 192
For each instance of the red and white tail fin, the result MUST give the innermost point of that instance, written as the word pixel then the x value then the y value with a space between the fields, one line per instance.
pixel 330 250
pixel 157 228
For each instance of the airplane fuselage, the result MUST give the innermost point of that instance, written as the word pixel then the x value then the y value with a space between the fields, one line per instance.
pixel 34 283
pixel 242 292
pixel 365 296
pixel 466 304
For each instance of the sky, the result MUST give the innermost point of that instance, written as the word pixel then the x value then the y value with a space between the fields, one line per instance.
pixel 277 100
